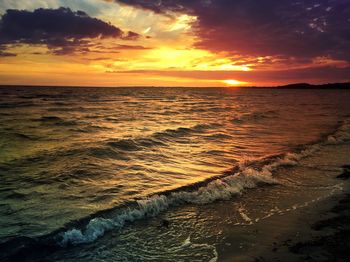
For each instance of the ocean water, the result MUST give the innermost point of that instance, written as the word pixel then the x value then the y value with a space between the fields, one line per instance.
pixel 124 174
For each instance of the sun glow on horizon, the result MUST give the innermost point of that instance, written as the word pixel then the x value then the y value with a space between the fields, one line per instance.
pixel 233 82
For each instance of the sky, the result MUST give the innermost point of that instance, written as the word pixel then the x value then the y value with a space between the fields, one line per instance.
pixel 174 43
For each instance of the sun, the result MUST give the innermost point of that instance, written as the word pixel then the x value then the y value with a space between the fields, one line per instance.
pixel 233 82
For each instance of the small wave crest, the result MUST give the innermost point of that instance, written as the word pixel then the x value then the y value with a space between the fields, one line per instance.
pixel 134 144
pixel 15 104
pixel 184 131
pixel 20 136
pixel 124 144
pixel 158 138
pixel 255 116
pixel 55 120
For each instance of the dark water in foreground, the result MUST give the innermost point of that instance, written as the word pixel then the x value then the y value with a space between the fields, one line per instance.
pixel 79 166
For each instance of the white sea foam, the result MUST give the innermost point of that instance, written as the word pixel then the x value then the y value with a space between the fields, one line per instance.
pixel 219 189
pixel 243 214
pixel 188 243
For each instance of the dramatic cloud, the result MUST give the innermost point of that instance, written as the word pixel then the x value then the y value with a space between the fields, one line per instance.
pixel 266 27
pixel 186 42
pixel 61 30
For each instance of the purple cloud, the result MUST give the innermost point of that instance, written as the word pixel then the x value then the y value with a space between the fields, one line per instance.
pixel 266 27
pixel 62 30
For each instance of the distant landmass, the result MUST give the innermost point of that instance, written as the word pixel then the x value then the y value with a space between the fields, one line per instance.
pixel 307 86
pixel 310 86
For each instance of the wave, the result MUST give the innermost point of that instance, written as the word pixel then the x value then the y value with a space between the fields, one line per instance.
pixel 20 136
pixel 67 108
pixel 89 229
pixel 242 177
pixel 159 138
pixel 255 116
pixel 218 136
pixel 16 104
pixel 183 131
pixel 134 144
pixel 246 176
pixel 113 149
pixel 55 120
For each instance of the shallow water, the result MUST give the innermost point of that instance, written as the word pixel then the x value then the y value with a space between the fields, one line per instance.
pixel 87 162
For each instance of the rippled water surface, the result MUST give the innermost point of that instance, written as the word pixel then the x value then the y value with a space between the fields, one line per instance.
pixel 68 153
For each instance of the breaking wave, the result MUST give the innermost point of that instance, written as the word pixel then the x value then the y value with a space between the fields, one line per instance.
pixel 246 175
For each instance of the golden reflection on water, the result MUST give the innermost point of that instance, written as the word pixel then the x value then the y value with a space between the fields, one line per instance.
pixel 86 150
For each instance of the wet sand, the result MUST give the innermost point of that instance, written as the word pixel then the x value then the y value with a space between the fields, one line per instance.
pixel 319 231
pixel 332 246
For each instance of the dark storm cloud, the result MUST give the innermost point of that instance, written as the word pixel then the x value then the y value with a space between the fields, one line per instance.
pixel 62 30
pixel 304 28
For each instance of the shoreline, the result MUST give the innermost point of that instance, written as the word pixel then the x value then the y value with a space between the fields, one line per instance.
pixel 334 243
pixel 316 231
pixel 321 233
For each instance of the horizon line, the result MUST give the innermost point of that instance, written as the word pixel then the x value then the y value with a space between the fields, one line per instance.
pixel 151 86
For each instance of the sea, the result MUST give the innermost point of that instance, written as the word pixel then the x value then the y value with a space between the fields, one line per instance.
pixel 157 173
